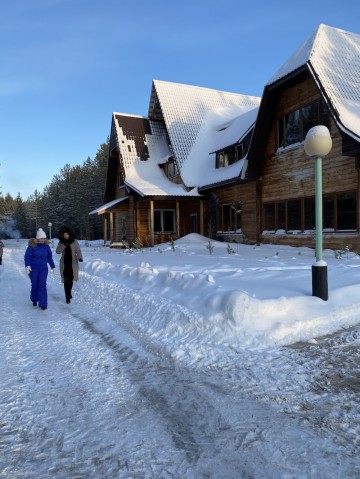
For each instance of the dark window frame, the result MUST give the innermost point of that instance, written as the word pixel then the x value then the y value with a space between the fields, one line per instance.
pixel 235 153
pixel 340 213
pixel 292 124
pixel 229 218
pixel 160 220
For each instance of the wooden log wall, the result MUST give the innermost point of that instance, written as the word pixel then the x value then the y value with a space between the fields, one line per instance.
pixel 138 218
pixel 289 173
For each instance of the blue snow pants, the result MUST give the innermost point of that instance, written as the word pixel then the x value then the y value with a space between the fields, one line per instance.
pixel 38 277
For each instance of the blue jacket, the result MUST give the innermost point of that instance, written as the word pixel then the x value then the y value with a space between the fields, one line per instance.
pixel 38 255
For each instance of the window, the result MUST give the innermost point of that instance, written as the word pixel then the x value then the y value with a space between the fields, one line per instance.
pixel 309 213
pixel 164 221
pixel 294 215
pixel 293 127
pixel 339 214
pixel 229 156
pixel 228 224
pixel 229 217
pixel 309 117
pixel 220 162
pixel 240 151
pixel 292 133
pixel 346 211
pixel 171 169
pixel 328 213
pixel 269 217
pixel 281 216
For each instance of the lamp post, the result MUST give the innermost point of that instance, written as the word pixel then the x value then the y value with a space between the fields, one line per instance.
pixel 50 225
pixel 318 144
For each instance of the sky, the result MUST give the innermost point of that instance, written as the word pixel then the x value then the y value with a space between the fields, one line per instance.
pixel 66 65
pixel 176 363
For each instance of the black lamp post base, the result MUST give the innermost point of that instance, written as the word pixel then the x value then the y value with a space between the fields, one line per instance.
pixel 320 282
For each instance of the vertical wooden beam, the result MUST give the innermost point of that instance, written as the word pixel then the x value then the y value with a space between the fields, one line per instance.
pixel 105 227
pixel 152 237
pixel 202 217
pixel 112 227
pixel 130 221
pixel 177 219
pixel 137 226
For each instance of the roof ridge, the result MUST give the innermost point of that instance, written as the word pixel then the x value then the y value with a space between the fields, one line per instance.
pixel 129 114
pixel 204 88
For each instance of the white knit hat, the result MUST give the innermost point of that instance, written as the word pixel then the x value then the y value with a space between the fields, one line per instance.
pixel 40 234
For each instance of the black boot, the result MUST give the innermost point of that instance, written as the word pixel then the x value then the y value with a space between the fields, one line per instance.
pixel 67 288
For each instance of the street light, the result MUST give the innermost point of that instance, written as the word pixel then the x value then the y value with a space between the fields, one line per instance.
pixel 50 225
pixel 318 144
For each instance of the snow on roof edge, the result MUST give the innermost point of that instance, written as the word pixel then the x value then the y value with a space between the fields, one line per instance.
pixel 205 88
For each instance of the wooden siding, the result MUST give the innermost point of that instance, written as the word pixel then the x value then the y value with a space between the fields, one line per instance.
pixel 134 214
pixel 289 173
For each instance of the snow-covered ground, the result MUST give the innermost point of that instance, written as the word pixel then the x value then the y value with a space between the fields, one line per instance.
pixel 172 362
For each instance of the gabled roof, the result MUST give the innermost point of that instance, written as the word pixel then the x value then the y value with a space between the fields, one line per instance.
pixel 333 58
pixel 189 124
pixel 185 109
pixel 143 146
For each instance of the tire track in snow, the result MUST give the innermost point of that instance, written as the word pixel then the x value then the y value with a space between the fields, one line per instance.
pixel 224 438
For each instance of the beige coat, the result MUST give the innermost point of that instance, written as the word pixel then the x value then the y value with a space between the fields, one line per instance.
pixel 76 255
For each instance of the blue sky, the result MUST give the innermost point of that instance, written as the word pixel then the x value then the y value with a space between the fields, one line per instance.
pixel 66 65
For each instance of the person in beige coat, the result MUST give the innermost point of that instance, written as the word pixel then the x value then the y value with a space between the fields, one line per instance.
pixel 71 254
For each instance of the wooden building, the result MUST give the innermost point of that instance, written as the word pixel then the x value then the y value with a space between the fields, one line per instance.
pixel 233 167
pixel 318 85
pixel 156 163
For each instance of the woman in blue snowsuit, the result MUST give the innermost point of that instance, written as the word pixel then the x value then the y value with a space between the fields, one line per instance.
pixel 37 257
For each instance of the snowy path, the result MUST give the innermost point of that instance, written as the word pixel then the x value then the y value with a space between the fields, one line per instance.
pixel 83 395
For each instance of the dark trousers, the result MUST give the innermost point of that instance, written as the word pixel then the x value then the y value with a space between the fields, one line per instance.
pixel 0 259
pixel 68 287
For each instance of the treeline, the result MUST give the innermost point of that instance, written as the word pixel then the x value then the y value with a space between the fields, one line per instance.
pixel 67 200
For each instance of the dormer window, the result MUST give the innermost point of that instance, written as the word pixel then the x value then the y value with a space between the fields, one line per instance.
pixel 229 156
pixel 170 168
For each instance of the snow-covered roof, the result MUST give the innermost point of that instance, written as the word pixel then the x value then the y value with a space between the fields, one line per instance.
pixel 143 146
pixel 220 129
pixel 185 109
pixel 107 206
pixel 194 123
pixel 148 179
pixel 333 57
